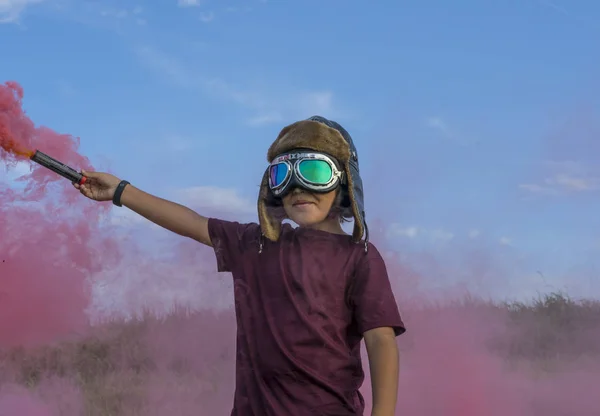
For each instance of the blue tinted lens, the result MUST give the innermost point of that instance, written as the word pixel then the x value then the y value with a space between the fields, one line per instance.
pixel 278 173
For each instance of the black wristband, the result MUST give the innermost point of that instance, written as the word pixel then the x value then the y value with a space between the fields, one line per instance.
pixel 118 192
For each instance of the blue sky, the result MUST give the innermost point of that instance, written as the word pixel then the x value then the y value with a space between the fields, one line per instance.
pixel 476 123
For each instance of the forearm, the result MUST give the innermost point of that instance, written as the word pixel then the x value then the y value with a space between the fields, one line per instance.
pixel 167 214
pixel 384 368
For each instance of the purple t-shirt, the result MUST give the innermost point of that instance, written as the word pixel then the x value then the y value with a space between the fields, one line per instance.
pixel 302 306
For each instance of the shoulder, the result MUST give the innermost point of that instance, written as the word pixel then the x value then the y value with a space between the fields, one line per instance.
pixel 368 258
pixel 366 251
pixel 231 241
pixel 232 230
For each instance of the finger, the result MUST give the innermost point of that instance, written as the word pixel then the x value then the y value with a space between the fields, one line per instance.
pixel 89 174
pixel 87 193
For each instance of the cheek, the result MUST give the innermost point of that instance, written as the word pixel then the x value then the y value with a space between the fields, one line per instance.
pixel 325 204
pixel 328 200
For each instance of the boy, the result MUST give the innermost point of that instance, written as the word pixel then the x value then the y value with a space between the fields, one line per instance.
pixel 305 296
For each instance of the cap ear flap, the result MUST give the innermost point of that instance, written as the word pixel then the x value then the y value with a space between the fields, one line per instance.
pixel 273 201
pixel 346 202
pixel 270 225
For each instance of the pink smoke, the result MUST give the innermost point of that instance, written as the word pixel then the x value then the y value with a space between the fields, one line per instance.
pixel 54 243
pixel 50 237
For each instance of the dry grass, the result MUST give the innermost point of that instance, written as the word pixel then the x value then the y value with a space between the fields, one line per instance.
pixel 186 359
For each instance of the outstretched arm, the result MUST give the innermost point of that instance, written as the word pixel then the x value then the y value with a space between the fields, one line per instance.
pixel 167 214
pixel 384 365
pixel 170 215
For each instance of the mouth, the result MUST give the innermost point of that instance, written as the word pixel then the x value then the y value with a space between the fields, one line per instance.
pixel 301 203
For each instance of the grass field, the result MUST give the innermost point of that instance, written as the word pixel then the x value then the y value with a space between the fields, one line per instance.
pixel 182 363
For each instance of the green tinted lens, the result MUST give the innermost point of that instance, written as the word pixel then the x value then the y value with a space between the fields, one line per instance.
pixel 316 171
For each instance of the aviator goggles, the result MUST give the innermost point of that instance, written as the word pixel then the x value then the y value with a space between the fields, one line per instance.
pixel 315 172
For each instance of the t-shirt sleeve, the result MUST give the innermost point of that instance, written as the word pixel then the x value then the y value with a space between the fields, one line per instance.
pixel 231 241
pixel 371 295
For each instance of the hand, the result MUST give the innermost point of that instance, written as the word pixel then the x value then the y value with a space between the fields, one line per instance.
pixel 99 186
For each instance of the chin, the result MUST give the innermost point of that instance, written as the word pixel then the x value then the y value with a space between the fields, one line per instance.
pixel 303 221
pixel 305 216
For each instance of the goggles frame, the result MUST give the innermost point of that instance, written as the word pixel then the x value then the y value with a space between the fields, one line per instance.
pixel 294 176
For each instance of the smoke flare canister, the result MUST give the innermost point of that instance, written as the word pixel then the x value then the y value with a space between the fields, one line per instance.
pixel 58 167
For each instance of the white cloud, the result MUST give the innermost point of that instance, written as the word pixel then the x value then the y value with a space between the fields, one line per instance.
pixel 573 183
pixel 267 118
pixel 10 10
pixel 206 200
pixel 563 178
pixel 272 104
pixel 127 218
pixel 410 232
pixel 578 18
pixel 207 17
pixel 236 9
pixel 215 199
pixel 188 3
pixel 112 16
pixel 441 235
pixel 12 172
pixel 474 233
pixel 505 241
pixel 116 13
pixel 554 6
pixel 434 235
pixel 438 124
pixel 538 189
pixel 134 14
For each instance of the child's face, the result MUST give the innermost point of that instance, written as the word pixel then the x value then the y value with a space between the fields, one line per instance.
pixel 308 209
